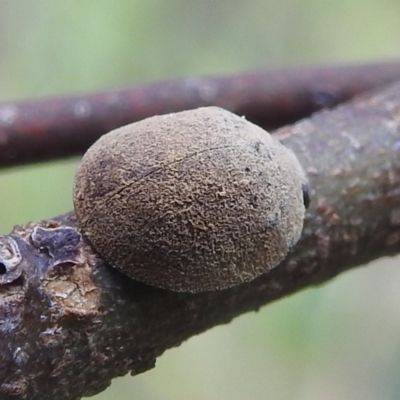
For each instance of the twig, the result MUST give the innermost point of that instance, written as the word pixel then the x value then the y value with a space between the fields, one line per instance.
pixel 69 323
pixel 41 130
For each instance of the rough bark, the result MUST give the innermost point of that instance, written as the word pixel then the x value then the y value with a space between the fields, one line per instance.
pixel 40 130
pixel 69 323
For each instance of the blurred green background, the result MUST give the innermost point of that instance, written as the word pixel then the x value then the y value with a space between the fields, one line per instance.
pixel 340 341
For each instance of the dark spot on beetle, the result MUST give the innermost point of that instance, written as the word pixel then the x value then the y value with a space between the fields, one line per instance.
pixel 306 196
pixel 247 169
pixel 253 201
pixel 273 222
pixel 257 146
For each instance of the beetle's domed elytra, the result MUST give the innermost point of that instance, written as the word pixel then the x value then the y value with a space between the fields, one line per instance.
pixel 194 201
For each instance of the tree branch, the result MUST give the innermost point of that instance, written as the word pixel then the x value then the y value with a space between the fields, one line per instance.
pixel 69 323
pixel 41 130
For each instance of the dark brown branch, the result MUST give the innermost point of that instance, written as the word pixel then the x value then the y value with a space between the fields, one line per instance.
pixel 69 323
pixel 41 130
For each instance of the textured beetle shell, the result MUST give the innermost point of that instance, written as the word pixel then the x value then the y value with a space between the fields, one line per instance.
pixel 194 201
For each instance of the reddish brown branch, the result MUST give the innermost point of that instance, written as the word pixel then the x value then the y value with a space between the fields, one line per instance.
pixel 40 130
pixel 70 323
